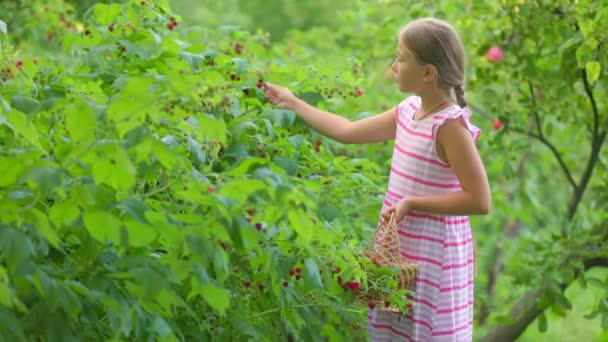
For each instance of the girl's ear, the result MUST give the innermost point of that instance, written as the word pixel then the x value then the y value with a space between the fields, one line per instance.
pixel 430 73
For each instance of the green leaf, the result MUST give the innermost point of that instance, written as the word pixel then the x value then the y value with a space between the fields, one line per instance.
pixel 313 277
pixel 106 14
pixel 114 168
pixel 246 165
pixel 102 226
pixel 241 189
pixel 299 223
pixel 211 128
pixel 139 234
pixel 23 126
pixel 542 322
pixel 46 179
pixel 44 228
pixel 216 297
pixel 8 322
pixel 281 117
pixel 63 213
pixel 25 104
pixel 80 121
pixel 241 65
pixel 593 69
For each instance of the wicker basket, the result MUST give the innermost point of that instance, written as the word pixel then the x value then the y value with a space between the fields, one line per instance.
pixel 384 249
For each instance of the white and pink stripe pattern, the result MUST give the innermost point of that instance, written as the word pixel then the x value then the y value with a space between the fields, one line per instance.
pixel 442 245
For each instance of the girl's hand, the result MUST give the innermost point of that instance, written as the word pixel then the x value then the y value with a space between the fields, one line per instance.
pixel 401 209
pixel 279 96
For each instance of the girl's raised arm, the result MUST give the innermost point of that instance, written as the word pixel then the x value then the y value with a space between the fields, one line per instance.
pixel 372 129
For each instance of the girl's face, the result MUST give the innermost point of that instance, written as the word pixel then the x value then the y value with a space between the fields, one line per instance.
pixel 409 73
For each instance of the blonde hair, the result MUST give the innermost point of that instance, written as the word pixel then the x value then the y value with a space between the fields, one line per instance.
pixel 434 41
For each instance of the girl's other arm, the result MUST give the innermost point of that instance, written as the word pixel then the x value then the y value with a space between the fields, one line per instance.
pixel 458 148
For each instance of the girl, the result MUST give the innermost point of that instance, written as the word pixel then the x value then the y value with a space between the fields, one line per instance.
pixel 436 179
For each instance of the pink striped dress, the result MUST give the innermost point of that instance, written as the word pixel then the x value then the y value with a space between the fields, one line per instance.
pixel 442 245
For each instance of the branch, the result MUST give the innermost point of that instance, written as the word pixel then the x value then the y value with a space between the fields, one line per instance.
pixel 535 110
pixel 596 116
pixel 553 149
pixel 596 146
pixel 527 309
pixel 542 139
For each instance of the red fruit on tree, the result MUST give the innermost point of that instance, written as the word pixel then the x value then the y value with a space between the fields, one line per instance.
pixel 495 54
pixel 238 48
pixel 261 287
pixel 497 124
pixel 298 270
pixel 286 283
pixel 111 28
pixel 211 188
pixel 259 226
pixel 260 84
pixel 359 92
pixel 247 283
pixel 298 276
pixel 251 212
pixel 170 26
pixel 292 272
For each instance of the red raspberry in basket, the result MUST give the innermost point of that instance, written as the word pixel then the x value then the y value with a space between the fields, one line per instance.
pixel 410 305
pixel 387 304
pixel 353 285
pixel 371 305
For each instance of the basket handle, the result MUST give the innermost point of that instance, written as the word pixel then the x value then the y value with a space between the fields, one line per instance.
pixel 391 221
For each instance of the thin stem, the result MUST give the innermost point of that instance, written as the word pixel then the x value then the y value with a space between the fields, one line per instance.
pixel 535 110
pixel 553 149
pixel 301 306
